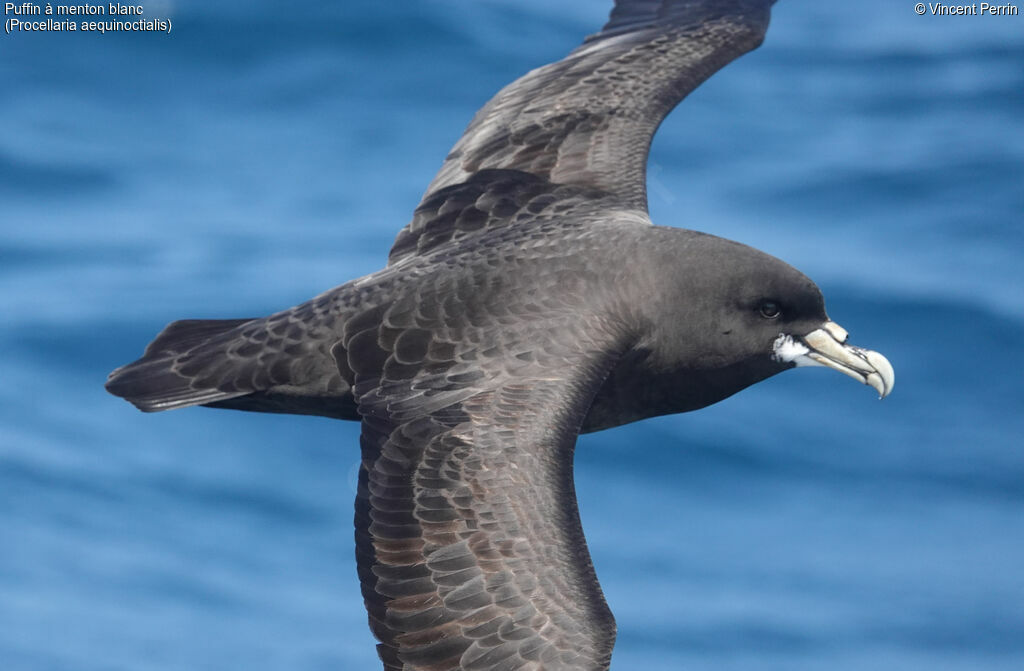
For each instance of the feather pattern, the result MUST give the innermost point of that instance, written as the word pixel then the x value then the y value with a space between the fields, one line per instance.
pixel 588 119
pixel 468 540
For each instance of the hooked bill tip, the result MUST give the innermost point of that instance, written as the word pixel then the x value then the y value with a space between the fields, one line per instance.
pixel 884 377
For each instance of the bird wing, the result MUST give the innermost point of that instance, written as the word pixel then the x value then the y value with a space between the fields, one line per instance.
pixel 588 119
pixel 468 539
pixel 492 205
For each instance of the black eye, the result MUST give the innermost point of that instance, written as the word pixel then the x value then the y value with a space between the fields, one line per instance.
pixel 769 309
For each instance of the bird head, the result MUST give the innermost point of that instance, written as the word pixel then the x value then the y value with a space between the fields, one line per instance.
pixel 732 315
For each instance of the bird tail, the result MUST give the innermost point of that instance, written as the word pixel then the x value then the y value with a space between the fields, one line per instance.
pixel 191 362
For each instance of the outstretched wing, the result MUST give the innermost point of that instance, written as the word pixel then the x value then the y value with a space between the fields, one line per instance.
pixel 496 204
pixel 468 539
pixel 469 544
pixel 588 119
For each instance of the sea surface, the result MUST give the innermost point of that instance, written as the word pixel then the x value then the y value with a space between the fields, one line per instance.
pixel 263 152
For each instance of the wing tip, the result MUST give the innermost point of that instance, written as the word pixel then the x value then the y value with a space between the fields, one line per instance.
pixel 626 18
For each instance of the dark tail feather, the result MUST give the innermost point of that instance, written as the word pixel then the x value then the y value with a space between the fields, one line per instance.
pixel 187 364
pixel 180 336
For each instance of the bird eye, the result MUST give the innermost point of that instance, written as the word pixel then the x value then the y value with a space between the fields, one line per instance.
pixel 770 309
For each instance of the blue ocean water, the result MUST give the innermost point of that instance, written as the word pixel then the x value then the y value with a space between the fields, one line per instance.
pixel 258 155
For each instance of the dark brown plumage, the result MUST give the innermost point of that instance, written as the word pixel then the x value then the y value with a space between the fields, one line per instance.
pixel 529 299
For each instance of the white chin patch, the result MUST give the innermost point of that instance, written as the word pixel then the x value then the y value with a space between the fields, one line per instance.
pixel 787 350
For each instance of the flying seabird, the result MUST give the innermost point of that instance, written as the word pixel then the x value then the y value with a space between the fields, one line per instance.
pixel 529 299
